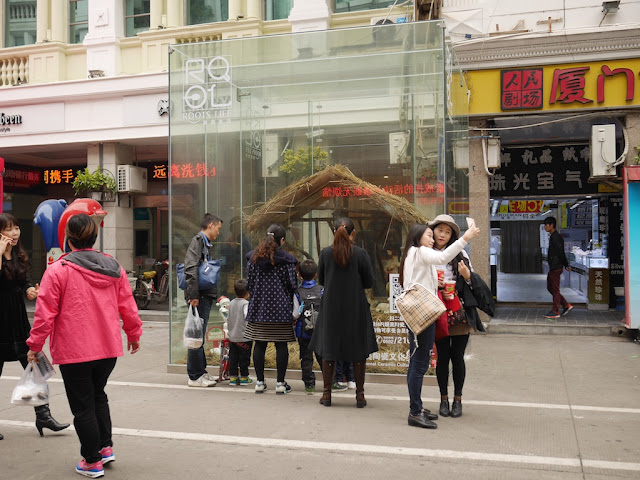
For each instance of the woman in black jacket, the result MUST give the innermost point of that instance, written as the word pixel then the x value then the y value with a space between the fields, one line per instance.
pixel 271 281
pixel 344 330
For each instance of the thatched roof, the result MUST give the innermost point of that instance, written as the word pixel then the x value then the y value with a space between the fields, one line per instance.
pixel 299 198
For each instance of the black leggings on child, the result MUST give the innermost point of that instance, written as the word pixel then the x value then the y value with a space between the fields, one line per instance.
pixel 282 359
pixel 451 349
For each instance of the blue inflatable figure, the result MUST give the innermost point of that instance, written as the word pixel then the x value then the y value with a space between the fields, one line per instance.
pixel 47 216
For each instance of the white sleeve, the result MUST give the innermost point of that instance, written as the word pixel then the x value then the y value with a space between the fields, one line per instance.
pixel 296 307
pixel 440 257
pixel 245 309
pixel 466 255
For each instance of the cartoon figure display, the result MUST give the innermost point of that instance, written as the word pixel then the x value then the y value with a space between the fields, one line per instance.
pixel 47 216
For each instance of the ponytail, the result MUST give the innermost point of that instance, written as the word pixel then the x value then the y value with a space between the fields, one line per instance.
pixel 342 247
pixel 271 242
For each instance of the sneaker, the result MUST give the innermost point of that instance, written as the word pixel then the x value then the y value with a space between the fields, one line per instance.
pixel 339 387
pixel 565 311
pixel 233 381
pixel 210 378
pixel 107 455
pixel 245 381
pixel 551 315
pixel 92 470
pixel 260 387
pixel 310 390
pixel 282 388
pixel 203 381
pixel 351 385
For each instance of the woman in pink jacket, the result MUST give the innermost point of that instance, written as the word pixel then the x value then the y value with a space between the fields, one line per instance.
pixel 81 299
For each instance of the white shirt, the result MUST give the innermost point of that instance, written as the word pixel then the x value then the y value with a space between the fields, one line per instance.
pixel 448 269
pixel 419 266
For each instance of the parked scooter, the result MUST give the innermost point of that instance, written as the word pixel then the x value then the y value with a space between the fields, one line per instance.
pixel 144 290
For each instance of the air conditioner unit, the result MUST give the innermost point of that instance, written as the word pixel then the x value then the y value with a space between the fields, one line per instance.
pixel 390 19
pixel 398 147
pixel 602 147
pixel 132 179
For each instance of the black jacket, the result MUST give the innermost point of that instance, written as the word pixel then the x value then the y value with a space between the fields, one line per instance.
pixel 477 295
pixel 192 260
pixel 556 257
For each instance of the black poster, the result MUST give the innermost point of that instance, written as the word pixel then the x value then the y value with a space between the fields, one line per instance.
pixel 545 171
pixel 615 247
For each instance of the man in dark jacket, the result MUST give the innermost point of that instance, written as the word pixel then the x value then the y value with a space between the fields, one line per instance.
pixel 201 299
pixel 557 260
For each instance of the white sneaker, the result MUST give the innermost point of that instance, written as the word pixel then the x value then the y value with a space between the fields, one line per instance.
pixel 351 385
pixel 210 378
pixel 260 387
pixel 203 381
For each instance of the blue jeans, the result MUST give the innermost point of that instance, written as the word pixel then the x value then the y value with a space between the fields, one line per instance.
pixel 196 361
pixel 418 366
pixel 345 368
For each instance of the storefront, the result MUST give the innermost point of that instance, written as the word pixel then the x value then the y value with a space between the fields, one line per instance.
pixel 563 135
pixel 369 115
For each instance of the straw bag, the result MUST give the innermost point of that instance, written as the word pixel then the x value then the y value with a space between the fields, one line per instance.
pixel 419 307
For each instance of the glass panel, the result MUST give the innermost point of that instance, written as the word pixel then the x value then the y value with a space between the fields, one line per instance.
pixel 137 17
pixel 370 114
pixel 207 11
pixel 78 20
pixel 277 9
pixel 20 24
pixel 353 5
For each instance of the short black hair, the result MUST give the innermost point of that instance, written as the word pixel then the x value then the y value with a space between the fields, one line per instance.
pixel 208 219
pixel 240 286
pixel 308 269
pixel 550 221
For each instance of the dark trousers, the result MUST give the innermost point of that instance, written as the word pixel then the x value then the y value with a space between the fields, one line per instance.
pixel 84 383
pixel 239 356
pixel 418 365
pixel 451 349
pixel 282 359
pixel 553 287
pixel 344 369
pixel 196 360
pixel 306 362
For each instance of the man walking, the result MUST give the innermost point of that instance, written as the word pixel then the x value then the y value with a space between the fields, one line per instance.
pixel 201 299
pixel 557 260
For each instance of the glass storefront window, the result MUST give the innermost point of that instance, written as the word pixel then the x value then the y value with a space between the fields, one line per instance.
pixel 78 20
pixel 354 5
pixel 277 9
pixel 137 17
pixel 303 128
pixel 20 23
pixel 207 11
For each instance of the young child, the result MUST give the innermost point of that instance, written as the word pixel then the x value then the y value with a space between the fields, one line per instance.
pixel 239 346
pixel 308 296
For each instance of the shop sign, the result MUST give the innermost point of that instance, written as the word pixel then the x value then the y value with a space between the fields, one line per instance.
pixel 543 171
pixel 207 90
pixel 589 85
pixel 9 120
pixel 406 189
pixel 598 292
pixel 57 175
pixel 393 342
pixel 182 170
pixel 526 206
pixel 581 216
pixel 18 177
pixel 615 243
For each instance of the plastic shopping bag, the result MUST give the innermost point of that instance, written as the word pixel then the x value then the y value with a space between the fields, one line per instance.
pixel 44 366
pixel 193 331
pixel 32 389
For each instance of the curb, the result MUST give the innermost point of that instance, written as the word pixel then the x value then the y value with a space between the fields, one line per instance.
pixel 498 327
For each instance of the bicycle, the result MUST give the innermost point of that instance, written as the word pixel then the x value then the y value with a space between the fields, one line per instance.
pixel 144 290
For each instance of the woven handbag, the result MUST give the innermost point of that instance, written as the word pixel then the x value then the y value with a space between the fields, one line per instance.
pixel 419 307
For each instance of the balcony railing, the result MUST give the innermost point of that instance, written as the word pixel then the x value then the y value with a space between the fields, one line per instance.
pixel 14 71
pixel 21 11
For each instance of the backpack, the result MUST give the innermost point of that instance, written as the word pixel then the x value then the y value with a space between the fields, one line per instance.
pixel 310 305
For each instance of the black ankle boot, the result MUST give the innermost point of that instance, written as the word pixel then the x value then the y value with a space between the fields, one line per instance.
pixel 444 408
pixel 456 409
pixel 45 420
pixel 1 437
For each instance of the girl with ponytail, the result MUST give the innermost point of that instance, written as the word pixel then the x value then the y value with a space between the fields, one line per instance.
pixel 344 330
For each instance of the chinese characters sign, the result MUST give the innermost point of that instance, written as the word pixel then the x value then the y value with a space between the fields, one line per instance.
pixel 543 171
pixel 521 88
pixel 19 177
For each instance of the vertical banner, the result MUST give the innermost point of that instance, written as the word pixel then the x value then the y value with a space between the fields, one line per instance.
pixel 615 247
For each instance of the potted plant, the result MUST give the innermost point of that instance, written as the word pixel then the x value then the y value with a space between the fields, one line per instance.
pixel 298 162
pixel 99 184
pixel 633 171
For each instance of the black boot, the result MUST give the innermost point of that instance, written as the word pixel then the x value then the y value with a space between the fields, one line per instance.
pixel 45 420
pixel 328 369
pixel 456 409
pixel 444 408
pixel 1 437
pixel 359 370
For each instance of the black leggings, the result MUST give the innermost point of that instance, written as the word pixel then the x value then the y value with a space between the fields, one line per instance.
pixel 451 349
pixel 282 359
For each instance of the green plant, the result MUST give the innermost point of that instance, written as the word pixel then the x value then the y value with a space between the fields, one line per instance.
pixel 298 162
pixel 636 157
pixel 98 181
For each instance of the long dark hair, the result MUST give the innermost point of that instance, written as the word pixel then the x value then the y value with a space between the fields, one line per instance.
pixel 271 242
pixel 460 256
pixel 413 240
pixel 342 246
pixel 19 264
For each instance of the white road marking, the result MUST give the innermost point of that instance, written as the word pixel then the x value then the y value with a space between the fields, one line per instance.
pixel 561 463
pixel 486 403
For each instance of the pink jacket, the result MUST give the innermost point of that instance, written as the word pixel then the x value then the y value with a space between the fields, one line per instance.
pixel 80 307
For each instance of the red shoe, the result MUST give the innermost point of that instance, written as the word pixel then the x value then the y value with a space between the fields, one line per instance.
pixel 107 455
pixel 92 470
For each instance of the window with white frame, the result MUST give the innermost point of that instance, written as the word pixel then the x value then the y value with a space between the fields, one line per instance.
pixel 340 6
pixel 277 9
pixel 206 11
pixel 20 22
pixel 78 20
pixel 137 17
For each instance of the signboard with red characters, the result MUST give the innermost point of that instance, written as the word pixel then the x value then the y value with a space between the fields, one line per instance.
pixel 521 88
